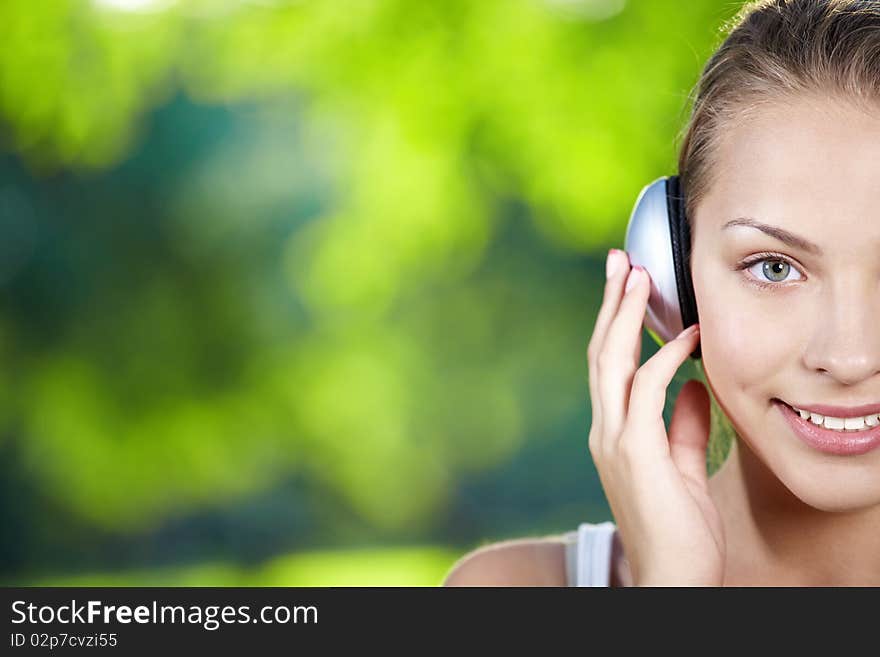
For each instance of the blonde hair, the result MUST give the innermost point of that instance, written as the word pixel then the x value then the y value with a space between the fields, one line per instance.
pixel 773 50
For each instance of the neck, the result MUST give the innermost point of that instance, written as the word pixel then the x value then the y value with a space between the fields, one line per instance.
pixel 775 539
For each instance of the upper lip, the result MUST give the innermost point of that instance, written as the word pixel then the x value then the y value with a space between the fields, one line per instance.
pixel 839 411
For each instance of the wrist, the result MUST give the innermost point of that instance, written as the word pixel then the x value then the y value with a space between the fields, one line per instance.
pixel 679 579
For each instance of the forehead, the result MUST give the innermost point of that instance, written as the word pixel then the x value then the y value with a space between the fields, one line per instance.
pixel 800 161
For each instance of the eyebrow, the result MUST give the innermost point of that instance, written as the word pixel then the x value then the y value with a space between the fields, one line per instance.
pixel 774 231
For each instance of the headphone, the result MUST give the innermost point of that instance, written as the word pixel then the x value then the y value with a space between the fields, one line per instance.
pixel 658 238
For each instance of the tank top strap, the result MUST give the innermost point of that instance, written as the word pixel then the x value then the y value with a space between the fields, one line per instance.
pixel 588 554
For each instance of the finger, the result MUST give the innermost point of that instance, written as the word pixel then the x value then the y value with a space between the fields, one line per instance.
pixel 618 268
pixel 689 431
pixel 618 359
pixel 648 392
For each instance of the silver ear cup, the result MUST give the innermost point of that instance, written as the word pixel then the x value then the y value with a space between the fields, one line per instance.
pixel 648 243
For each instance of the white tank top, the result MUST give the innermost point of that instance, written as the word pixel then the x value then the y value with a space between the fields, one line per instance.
pixel 588 552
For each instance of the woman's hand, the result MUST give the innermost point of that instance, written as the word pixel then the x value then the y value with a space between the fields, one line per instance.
pixel 656 485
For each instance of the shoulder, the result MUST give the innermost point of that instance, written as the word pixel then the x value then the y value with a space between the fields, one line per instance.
pixel 536 561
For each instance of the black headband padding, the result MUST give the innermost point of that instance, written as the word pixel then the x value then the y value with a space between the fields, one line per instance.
pixel 679 231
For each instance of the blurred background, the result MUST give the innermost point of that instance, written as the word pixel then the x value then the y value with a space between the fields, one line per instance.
pixel 299 292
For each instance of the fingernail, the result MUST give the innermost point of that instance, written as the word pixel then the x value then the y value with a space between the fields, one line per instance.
pixel 613 262
pixel 693 328
pixel 635 276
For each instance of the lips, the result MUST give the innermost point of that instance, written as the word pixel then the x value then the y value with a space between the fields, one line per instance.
pixel 849 443
pixel 840 411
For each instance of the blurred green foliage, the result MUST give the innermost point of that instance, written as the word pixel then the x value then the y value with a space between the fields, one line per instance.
pixel 377 567
pixel 355 241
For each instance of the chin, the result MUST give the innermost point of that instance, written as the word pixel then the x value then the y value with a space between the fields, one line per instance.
pixel 822 481
pixel 789 472
pixel 833 484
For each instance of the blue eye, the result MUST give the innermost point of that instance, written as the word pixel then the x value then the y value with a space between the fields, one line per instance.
pixel 770 270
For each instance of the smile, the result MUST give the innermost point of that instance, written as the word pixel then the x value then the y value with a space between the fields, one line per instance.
pixel 857 435
pixel 859 423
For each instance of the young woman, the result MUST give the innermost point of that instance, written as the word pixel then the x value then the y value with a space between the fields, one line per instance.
pixel 780 167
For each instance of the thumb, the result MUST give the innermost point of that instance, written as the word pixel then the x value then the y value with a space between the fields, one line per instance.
pixel 689 431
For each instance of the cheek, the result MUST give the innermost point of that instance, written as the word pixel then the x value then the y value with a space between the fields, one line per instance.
pixel 747 337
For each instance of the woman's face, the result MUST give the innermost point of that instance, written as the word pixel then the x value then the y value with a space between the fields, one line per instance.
pixel 802 322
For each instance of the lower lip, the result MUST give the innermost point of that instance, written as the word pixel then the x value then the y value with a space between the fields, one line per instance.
pixel 831 442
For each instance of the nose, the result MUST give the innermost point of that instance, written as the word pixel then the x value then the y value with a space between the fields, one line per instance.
pixel 846 341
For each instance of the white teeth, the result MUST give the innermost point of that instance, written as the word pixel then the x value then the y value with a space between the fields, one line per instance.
pixel 839 423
